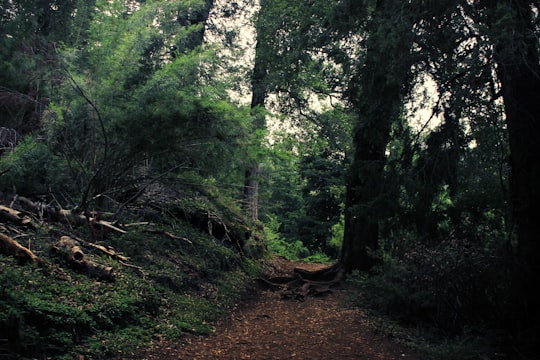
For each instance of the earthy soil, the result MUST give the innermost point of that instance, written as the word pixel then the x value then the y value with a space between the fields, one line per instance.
pixel 269 327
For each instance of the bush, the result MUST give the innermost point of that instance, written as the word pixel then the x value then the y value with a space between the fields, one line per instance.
pixel 290 250
pixel 32 168
pixel 451 287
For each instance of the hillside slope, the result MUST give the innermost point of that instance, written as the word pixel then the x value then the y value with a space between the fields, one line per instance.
pixel 106 284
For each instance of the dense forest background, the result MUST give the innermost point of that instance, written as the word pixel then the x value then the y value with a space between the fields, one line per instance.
pixel 397 139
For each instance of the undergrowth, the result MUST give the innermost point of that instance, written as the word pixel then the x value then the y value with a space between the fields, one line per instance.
pixel 171 287
pixel 447 304
pixel 291 250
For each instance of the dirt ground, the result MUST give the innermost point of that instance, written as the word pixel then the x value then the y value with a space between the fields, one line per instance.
pixel 268 327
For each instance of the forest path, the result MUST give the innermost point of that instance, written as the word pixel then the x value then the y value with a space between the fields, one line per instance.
pixel 268 327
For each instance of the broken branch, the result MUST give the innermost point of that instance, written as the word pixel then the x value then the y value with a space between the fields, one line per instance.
pixel 8 246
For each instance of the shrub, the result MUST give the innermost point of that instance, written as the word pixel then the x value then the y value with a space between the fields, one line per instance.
pixel 451 287
pixel 291 250
pixel 33 168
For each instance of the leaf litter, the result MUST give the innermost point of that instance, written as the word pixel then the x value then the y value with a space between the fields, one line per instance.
pixel 267 327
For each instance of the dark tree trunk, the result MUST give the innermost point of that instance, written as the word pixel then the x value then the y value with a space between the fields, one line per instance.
pixel 258 97
pixel 376 95
pixel 518 69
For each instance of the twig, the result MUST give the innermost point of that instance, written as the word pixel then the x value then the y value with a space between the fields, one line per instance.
pixel 169 235
pixel 138 268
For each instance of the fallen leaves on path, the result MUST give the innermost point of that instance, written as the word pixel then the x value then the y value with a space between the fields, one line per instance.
pixel 273 328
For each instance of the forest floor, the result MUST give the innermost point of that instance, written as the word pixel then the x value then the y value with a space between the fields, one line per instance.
pixel 266 326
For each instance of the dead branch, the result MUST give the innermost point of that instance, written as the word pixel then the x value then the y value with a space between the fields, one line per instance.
pixel 138 268
pixel 109 252
pixel 10 247
pixel 169 235
pixel 16 217
pixel 141 223
pixel 107 224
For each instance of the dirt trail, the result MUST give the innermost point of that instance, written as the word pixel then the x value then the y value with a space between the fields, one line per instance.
pixel 271 328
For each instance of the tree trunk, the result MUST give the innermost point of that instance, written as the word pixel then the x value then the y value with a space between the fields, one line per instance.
pixel 251 192
pixel 518 69
pixel 376 96
pixel 258 98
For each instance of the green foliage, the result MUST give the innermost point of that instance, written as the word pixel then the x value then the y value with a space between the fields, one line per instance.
pixel 294 250
pixel 123 99
pixel 319 257
pixel 33 168
pixel 290 249
pixel 323 194
pixel 336 241
pixel 180 289
pixel 185 120
pixel 450 288
pixel 306 175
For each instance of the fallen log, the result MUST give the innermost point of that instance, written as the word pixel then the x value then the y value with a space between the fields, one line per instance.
pixel 10 247
pixel 16 217
pixel 70 250
pixel 66 216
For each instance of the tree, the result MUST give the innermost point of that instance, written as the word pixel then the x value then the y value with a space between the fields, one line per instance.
pixel 375 94
pixel 299 61
pixel 516 54
pixel 491 55
pixel 32 33
pixel 259 91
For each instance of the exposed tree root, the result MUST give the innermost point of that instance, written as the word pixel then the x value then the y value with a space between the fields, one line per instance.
pixel 304 283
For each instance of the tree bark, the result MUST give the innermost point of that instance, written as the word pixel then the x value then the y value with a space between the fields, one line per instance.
pixel 518 69
pixel 251 192
pixel 376 96
pixel 258 98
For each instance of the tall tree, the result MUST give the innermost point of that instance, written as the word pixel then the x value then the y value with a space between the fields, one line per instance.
pixel 298 59
pixel 259 91
pixel 376 94
pixel 512 26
